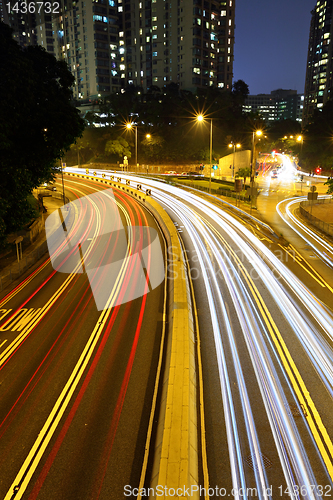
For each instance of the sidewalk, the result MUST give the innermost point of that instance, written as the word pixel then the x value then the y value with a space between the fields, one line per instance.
pixel 10 268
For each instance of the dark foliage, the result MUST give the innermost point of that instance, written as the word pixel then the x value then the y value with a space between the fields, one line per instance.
pixel 37 124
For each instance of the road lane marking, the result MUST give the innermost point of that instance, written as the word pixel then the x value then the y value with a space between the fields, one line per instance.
pixel 313 418
pixel 323 282
pixel 200 378
pixel 30 464
pixel 6 354
pixel 318 430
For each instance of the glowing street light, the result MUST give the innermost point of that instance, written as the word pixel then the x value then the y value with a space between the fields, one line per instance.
pixel 234 146
pixel 129 126
pixel 253 191
pixel 256 133
pixel 200 118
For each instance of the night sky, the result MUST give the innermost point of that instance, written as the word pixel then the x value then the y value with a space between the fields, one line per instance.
pixel 271 43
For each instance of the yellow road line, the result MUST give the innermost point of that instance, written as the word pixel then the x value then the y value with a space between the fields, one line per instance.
pixel 320 281
pixel 43 311
pixel 314 420
pixel 200 378
pixel 312 269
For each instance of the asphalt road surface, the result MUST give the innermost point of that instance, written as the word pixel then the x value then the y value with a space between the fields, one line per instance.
pixel 79 347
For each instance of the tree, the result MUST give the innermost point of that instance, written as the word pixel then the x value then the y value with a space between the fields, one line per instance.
pixel 243 172
pixel 329 184
pixel 240 91
pixel 37 124
pixel 317 147
pixel 152 146
pixel 119 147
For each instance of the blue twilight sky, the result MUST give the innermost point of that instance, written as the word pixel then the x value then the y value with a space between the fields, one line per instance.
pixel 271 43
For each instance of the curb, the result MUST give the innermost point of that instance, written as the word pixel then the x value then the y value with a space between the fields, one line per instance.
pixel 13 271
pixel 175 463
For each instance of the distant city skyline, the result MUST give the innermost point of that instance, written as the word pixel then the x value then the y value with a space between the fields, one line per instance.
pixel 271 44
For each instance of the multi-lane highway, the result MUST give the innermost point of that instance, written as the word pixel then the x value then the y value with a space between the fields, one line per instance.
pixel 79 349
pixel 267 356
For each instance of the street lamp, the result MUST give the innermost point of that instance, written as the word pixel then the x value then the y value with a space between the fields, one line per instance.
pixel 234 146
pixel 129 126
pixel 299 138
pixel 201 118
pixel 256 133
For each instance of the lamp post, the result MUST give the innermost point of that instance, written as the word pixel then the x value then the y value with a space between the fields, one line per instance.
pixel 130 126
pixel 62 178
pixel 234 146
pixel 300 139
pixel 201 118
pixel 256 133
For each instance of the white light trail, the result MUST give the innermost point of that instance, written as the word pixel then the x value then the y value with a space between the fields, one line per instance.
pixel 206 225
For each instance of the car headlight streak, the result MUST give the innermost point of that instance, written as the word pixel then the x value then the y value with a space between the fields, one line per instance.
pixel 256 325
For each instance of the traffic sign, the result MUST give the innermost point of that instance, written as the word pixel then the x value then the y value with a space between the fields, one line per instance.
pixel 312 196
pixel 313 188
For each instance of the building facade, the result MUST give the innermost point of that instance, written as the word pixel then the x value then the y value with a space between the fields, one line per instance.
pixel 190 43
pixel 319 71
pixel 109 44
pixel 278 105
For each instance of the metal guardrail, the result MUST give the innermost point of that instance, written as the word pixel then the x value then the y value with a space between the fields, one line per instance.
pixel 18 268
pixel 325 227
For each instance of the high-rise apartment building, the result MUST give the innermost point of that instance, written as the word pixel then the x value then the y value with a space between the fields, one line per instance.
pixel 319 71
pixel 109 44
pixel 188 42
